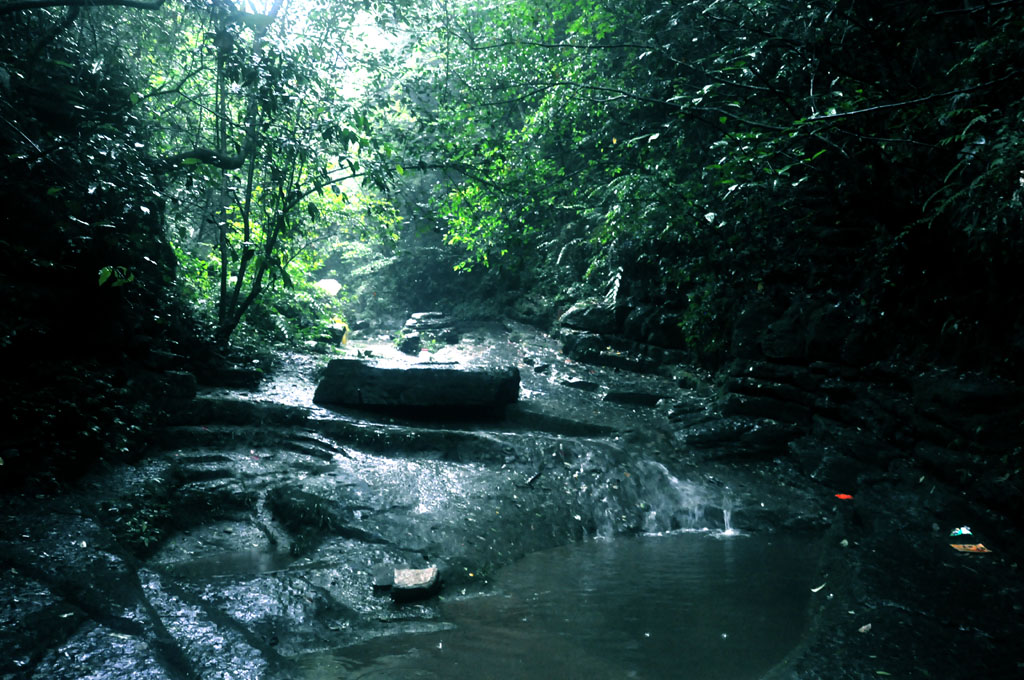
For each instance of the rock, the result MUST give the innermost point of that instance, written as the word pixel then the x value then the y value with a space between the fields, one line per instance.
pixel 808 330
pixel 238 377
pixel 837 471
pixel 591 348
pixel 633 398
pixel 741 438
pixel 761 371
pixel 432 325
pixel 209 409
pixel 204 644
pixel 748 327
pixel 633 325
pixel 686 411
pixel 427 320
pixel 383 577
pixel 171 390
pixel 664 330
pixel 415 584
pixel 714 433
pixel 807 453
pixel 534 310
pixel 353 382
pixel 593 315
pixel 984 412
pixel 829 328
pixel 765 407
pixel 968 392
pixel 768 438
pixel 768 389
pixel 530 414
pixel 163 360
pixel 581 346
pixel 34 618
pixel 338 333
pixel 310 512
pixel 579 384
pixel 786 339
pixel 179 385
pixel 410 343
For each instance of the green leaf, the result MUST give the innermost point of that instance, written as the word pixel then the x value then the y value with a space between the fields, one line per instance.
pixel 105 274
pixel 190 161
pixel 53 191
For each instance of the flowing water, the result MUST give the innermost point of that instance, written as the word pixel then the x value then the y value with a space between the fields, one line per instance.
pixel 687 606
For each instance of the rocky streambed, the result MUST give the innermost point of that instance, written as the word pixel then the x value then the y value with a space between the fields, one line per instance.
pixel 248 540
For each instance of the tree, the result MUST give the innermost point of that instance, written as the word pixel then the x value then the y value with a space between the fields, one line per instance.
pixel 728 154
pixel 294 136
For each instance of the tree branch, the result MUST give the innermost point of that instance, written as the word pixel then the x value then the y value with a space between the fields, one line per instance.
pixel 559 46
pixel 69 18
pixel 21 5
pixel 912 102
pixel 463 169
pixel 598 88
pixel 210 157
pixel 320 185
pixel 972 10
pixel 739 119
pixel 177 88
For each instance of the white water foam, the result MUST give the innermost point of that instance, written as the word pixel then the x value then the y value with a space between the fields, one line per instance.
pixel 644 497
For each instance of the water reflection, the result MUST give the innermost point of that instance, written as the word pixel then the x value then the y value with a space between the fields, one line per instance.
pixel 685 606
pixel 235 563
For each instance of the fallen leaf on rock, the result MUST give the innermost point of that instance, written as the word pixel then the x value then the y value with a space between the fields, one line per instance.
pixel 866 628
pixel 814 590
pixel 844 496
pixel 969 547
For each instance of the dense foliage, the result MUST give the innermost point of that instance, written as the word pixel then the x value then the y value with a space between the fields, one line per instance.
pixel 742 154
pixel 185 169
pixel 172 173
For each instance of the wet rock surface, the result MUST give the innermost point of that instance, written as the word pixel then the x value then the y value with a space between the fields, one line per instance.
pixel 255 531
pixel 429 385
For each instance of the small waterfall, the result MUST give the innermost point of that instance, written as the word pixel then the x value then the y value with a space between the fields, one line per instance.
pixel 644 497
pixel 727 522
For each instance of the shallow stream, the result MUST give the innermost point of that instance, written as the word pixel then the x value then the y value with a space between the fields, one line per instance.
pixel 576 538
pixel 692 606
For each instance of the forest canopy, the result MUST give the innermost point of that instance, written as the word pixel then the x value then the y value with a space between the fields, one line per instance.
pixel 715 159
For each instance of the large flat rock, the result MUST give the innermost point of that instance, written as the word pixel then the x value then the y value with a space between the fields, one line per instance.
pixel 359 383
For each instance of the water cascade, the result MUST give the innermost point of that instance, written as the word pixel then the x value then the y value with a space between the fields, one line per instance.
pixel 635 495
